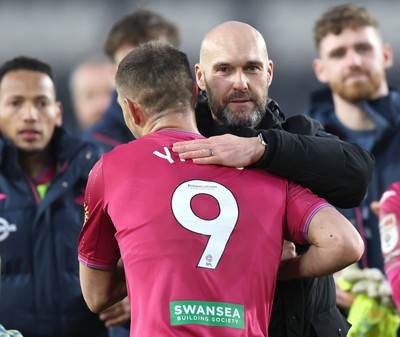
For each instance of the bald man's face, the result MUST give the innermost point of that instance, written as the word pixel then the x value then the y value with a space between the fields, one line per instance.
pixel 235 72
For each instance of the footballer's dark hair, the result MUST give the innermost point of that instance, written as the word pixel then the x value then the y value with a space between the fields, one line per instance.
pixel 25 63
pixel 158 76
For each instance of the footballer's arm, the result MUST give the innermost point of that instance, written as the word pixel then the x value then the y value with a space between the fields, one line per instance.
pixel 102 288
pixel 334 244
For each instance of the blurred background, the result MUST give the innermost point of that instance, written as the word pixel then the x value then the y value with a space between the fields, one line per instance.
pixel 67 32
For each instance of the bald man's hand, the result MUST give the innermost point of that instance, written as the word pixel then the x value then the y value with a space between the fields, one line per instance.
pixel 226 150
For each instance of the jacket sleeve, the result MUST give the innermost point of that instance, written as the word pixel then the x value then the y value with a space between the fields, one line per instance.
pixel 333 169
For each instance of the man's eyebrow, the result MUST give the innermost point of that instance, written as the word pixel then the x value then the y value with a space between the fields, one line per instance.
pixel 22 96
pixel 254 62
pixel 15 96
pixel 336 50
pixel 42 97
pixel 226 64
pixel 362 44
pixel 220 64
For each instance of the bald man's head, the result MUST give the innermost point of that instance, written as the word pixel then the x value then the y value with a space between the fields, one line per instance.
pixel 231 34
pixel 235 72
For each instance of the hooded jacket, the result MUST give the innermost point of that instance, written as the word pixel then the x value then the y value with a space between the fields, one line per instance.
pixel 40 293
pixel 383 143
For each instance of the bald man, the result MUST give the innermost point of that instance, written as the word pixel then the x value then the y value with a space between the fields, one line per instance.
pixel 234 74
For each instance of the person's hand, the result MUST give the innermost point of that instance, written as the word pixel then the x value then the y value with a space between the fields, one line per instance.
pixel 288 253
pixel 375 207
pixel 344 298
pixel 227 150
pixel 117 314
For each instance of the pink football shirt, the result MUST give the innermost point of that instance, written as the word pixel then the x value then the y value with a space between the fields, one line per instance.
pixel 201 244
pixel 389 227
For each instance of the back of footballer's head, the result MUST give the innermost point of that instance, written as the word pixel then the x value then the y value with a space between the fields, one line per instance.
pixel 158 77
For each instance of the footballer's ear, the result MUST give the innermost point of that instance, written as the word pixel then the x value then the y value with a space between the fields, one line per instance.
pixel 134 110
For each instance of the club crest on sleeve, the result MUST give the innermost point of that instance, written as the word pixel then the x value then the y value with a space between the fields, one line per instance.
pixel 389 233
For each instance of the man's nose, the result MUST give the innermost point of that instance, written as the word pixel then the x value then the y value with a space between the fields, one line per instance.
pixel 30 112
pixel 240 81
pixel 353 58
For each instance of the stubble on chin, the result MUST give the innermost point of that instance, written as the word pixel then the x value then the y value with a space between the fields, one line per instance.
pixel 241 117
pixel 359 91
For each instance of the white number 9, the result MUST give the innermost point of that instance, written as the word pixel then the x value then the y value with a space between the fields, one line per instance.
pixel 219 229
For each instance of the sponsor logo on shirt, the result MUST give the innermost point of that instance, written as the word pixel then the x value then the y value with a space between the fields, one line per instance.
pixel 207 313
pixel 6 228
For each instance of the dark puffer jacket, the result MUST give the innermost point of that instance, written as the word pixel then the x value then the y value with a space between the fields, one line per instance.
pixel 40 289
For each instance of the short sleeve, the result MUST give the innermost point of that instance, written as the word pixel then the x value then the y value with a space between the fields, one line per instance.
pixel 97 246
pixel 302 205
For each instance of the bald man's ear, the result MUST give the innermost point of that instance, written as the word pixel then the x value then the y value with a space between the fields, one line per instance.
pixel 200 77
pixel 270 71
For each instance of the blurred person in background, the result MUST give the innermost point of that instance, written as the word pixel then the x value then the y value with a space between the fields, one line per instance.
pixel 43 174
pixel 91 85
pixel 125 35
pixel 234 74
pixel 360 107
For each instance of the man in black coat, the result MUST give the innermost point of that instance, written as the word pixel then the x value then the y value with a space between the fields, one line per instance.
pixel 234 74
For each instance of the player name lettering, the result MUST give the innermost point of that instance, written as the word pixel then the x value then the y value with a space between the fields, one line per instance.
pixel 166 155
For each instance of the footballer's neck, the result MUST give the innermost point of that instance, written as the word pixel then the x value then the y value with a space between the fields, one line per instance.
pixel 175 121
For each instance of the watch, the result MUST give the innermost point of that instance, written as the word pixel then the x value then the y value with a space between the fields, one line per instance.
pixel 261 139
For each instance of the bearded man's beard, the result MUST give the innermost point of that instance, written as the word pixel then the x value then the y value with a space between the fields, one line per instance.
pixel 359 91
pixel 241 117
